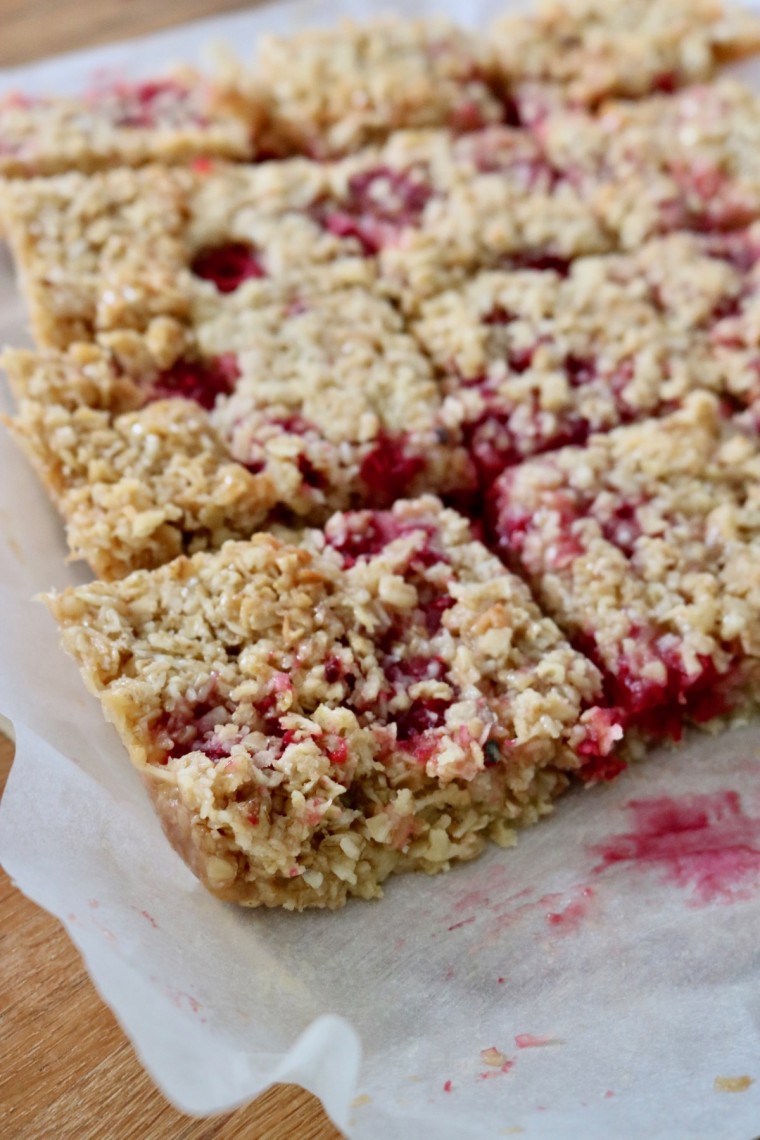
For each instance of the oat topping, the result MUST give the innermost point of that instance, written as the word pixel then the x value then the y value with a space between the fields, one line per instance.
pixel 180 439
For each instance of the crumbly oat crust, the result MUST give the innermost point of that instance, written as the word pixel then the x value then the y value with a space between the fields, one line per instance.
pixel 310 719
pixel 171 119
pixel 424 211
pixel 327 93
pixel 644 545
pixel 118 248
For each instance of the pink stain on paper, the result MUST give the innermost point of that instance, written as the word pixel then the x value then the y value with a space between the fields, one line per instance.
pixel 570 915
pixel 564 911
pixel 496 911
pixel 534 1041
pixel 464 922
pixel 180 998
pixel 706 844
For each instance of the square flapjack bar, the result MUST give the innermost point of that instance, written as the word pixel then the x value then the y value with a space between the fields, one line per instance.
pixel 596 182
pixel 531 360
pixel 644 546
pixel 687 161
pixel 582 52
pixel 175 441
pixel 332 91
pixel 121 247
pixel 170 119
pixel 310 718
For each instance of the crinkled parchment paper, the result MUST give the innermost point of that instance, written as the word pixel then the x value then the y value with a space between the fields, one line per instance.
pixel 600 981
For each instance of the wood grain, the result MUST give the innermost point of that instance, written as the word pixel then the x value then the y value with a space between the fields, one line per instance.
pixel 30 29
pixel 66 1068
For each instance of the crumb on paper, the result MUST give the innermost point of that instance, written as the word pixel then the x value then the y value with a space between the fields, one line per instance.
pixel 492 1056
pixel 447 1086
pixel 361 1101
pixel 15 549
pixel 733 1084
pixel 506 1067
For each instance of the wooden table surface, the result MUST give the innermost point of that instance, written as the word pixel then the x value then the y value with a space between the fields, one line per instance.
pixel 66 1068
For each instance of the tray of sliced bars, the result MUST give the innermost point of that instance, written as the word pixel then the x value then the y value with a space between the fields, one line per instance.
pixel 389 440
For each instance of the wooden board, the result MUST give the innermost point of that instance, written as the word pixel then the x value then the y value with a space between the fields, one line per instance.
pixel 66 1068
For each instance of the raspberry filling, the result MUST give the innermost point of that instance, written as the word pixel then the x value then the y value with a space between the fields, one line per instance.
pixel 543 261
pixel 506 431
pixel 191 725
pixel 424 713
pixel 227 265
pixel 511 525
pixel 311 475
pixel 659 707
pixel 467 116
pixel 388 470
pixel 741 249
pixel 709 201
pixel 378 204
pixel 362 535
pixel 603 727
pixel 366 534
pixel 500 150
pixel 495 443
pixel 200 380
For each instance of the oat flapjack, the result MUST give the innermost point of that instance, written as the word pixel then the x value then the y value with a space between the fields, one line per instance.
pixel 645 547
pixel 384 696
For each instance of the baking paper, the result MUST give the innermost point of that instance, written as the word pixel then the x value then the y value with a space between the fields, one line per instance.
pixel 602 980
